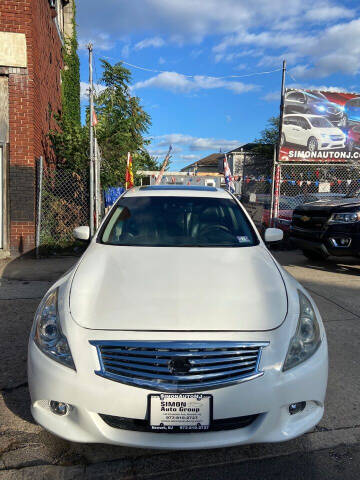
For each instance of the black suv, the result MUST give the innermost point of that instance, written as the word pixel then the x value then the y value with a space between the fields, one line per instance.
pixel 328 227
pixel 314 103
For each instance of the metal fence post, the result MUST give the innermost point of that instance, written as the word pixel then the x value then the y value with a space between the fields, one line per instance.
pixel 38 224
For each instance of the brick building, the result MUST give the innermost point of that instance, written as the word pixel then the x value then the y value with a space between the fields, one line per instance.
pixel 32 36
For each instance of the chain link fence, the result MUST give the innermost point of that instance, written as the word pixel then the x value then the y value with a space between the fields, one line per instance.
pixel 295 184
pixel 256 188
pixel 64 205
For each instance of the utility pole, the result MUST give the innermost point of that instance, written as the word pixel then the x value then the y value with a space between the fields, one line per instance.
pixel 277 167
pixel 282 106
pixel 91 112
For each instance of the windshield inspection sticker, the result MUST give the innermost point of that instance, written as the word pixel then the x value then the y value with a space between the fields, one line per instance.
pixel 243 239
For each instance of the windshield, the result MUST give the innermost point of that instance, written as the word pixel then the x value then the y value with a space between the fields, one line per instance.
pixel 160 221
pixel 320 122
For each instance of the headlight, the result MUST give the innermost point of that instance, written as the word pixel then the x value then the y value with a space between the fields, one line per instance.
pixel 325 135
pixel 307 339
pixel 350 217
pixel 47 331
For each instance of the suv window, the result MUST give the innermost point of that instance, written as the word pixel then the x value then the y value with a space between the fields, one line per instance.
pixel 290 121
pixel 320 122
pixel 296 97
pixel 303 123
pixel 160 221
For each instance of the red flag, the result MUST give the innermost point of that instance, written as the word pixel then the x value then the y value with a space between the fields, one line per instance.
pixel 94 119
pixel 129 177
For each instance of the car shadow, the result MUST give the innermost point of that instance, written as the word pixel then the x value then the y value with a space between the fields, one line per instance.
pixel 344 265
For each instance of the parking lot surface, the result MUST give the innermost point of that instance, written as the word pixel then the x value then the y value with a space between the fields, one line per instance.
pixel 330 452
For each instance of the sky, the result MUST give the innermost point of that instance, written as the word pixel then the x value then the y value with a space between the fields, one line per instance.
pixel 206 90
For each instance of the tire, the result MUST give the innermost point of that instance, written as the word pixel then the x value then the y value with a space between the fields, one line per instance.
pixel 312 144
pixel 283 140
pixel 313 255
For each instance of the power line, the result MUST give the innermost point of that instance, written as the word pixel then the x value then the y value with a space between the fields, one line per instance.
pixel 151 70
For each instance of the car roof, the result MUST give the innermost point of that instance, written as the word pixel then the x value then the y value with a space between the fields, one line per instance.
pixel 305 115
pixel 177 191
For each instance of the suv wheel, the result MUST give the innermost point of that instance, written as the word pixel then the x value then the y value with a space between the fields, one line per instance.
pixel 313 255
pixel 312 144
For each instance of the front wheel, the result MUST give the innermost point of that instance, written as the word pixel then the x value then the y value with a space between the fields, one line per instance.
pixel 313 255
pixel 312 144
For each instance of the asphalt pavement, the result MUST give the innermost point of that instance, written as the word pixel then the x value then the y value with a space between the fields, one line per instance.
pixel 331 451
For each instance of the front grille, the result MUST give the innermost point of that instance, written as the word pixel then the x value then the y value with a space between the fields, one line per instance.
pixel 336 138
pixel 309 220
pixel 138 425
pixel 179 366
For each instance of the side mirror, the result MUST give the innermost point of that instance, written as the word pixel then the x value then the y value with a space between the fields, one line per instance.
pixel 82 233
pixel 273 235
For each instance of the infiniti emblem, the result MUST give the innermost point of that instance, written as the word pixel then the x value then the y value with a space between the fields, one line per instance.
pixel 179 366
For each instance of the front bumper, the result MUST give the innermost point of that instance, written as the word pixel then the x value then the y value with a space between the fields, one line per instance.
pixel 268 396
pixel 323 242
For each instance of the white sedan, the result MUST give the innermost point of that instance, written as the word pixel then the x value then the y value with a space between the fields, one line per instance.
pixel 177 329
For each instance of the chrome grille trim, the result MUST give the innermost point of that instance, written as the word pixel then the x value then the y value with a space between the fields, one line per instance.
pixel 210 365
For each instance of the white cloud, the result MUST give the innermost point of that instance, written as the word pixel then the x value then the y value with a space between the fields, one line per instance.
pixel 100 41
pixel 161 61
pixel 191 20
pixel 125 51
pixel 324 13
pixel 177 82
pixel 84 89
pixel 189 157
pixel 196 143
pixel 275 95
pixel 155 42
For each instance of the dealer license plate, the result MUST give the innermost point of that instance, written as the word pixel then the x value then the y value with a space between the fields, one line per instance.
pixel 179 412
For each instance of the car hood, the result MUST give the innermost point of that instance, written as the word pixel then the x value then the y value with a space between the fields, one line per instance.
pixel 331 131
pixel 155 288
pixel 329 204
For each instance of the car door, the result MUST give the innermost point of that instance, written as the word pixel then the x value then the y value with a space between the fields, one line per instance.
pixel 297 131
pixel 289 123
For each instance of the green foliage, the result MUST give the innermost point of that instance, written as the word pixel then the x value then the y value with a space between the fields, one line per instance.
pixel 70 145
pixel 71 78
pixel 122 126
pixel 268 138
pixel 70 140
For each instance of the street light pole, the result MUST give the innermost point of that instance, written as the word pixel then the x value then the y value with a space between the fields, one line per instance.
pixel 91 127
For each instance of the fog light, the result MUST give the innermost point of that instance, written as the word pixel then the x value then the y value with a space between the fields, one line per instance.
pixel 296 407
pixel 59 408
pixel 343 242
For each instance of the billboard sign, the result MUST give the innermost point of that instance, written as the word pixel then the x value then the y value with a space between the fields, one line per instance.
pixel 320 126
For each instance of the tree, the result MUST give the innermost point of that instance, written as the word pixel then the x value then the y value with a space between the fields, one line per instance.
pixel 122 124
pixel 268 138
